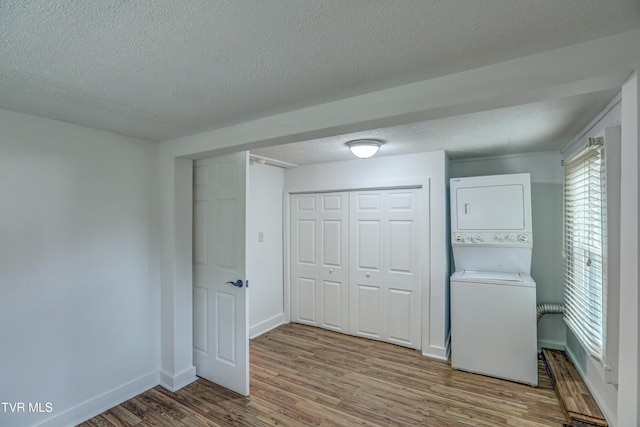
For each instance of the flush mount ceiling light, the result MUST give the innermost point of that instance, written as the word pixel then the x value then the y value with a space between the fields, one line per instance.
pixel 364 148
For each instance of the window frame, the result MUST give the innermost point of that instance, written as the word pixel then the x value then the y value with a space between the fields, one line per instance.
pixel 611 159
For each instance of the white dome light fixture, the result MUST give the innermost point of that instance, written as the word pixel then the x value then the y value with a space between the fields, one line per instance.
pixel 364 148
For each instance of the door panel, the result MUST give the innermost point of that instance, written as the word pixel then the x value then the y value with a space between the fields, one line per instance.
pixel 369 240
pixel 306 203
pixel 403 310
pixel 399 322
pixel 366 318
pixel 401 201
pixel 368 201
pixel 307 242
pixel 200 215
pixel 220 310
pixel 319 292
pixel 400 245
pixel 332 304
pixel 306 301
pixel 385 262
pixel 331 247
pixel 226 229
pixel 365 308
pixel 225 330
pixel 332 202
pixel 200 304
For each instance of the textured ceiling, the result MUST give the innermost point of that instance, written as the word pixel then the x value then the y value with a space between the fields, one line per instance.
pixel 542 126
pixel 162 69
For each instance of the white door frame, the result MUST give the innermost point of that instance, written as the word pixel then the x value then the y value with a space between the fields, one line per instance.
pixel 176 245
pixel 423 183
pixel 176 276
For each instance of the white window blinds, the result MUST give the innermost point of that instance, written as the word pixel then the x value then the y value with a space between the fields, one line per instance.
pixel 585 246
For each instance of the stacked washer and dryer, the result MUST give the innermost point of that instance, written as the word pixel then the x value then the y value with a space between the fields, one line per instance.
pixel 493 297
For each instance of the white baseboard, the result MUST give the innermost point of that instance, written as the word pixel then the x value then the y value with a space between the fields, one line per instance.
pixel 266 325
pixel 552 345
pixel 437 352
pixel 97 405
pixel 176 382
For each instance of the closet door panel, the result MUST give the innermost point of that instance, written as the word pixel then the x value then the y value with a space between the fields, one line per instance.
pixel 368 244
pixel 366 302
pixel 385 257
pixel 304 259
pixel 401 234
pixel 319 247
pixel 366 318
pixel 399 309
pixel 306 300
pixel 333 244
pixel 306 253
pixel 402 275
pixel 333 305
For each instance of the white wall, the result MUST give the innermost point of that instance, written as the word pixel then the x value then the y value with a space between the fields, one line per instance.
pixel 629 361
pixel 546 211
pixel 384 171
pixel 265 260
pixel 79 269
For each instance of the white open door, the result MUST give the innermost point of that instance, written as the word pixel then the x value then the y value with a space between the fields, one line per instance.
pixel 220 299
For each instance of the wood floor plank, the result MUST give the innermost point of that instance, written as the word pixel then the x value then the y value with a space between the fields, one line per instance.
pixel 302 375
pixel 580 406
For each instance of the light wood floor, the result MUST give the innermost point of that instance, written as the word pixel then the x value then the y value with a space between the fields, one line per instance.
pixel 302 375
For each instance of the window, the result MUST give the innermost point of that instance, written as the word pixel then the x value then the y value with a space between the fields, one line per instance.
pixel 585 251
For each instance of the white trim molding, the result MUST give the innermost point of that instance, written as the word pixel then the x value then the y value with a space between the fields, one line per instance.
pixel 266 325
pixel 176 382
pixel 97 405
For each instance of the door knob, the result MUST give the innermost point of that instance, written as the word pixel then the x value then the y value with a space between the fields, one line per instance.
pixel 238 283
pixel 368 274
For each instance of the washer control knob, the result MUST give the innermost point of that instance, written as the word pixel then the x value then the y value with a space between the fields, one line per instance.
pixel 458 238
pixel 523 238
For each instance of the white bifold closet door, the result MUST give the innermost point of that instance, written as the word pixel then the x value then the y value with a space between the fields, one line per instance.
pixel 356 263
pixel 319 260
pixel 385 269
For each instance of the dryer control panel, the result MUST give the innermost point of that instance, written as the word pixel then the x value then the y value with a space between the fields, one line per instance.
pixel 492 238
